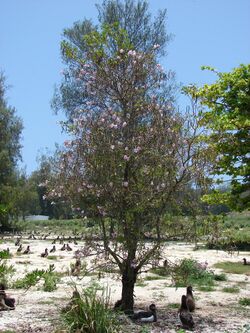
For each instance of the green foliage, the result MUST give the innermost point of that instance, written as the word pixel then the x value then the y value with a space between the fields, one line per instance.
pixel 233 267
pixel 4 254
pixel 5 271
pixel 10 148
pixel 29 280
pixel 220 277
pixel 245 301
pixel 50 281
pixel 188 272
pixel 90 313
pixel 228 119
pixel 206 288
pixel 232 290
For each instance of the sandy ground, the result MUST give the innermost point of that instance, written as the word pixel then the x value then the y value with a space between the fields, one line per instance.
pixel 39 311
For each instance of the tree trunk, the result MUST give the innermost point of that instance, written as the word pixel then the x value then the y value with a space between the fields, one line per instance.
pixel 128 283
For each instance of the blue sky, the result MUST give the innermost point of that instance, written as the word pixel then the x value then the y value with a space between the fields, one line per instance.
pixel 206 32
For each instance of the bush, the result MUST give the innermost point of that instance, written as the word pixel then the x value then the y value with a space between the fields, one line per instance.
pixel 245 301
pixel 5 254
pixel 189 272
pixel 5 271
pixel 90 313
pixel 51 279
pixel 30 279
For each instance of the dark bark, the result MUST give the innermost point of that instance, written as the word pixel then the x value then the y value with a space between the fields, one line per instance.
pixel 129 276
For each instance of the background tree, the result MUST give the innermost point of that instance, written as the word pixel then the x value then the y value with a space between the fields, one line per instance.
pixel 228 119
pixel 130 152
pixel 10 132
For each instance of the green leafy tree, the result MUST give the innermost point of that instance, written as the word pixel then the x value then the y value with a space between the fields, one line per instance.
pixel 131 150
pixel 227 116
pixel 10 132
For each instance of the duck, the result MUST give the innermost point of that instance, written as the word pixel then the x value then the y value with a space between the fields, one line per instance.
pixel 184 314
pixel 6 302
pixel 146 316
pixel 27 251
pixel 245 262
pixel 190 299
pixel 68 248
pixel 45 253
pixel 63 248
pixel 18 241
pixel 19 248
pixel 53 249
pixel 76 269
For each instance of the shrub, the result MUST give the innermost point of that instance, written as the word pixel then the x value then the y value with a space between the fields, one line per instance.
pixel 30 279
pixel 245 301
pixel 5 254
pixel 189 272
pixel 90 313
pixel 233 290
pixel 5 271
pixel 51 279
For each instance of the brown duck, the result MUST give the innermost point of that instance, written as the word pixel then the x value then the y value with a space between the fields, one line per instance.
pixel 184 314
pixel 27 251
pixel 45 253
pixel 245 262
pixel 190 299
pixel 53 249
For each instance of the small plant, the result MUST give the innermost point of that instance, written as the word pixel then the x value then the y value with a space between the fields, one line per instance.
pixel 174 305
pixel 5 271
pixel 220 277
pixel 145 329
pixel 52 257
pixel 245 301
pixel 206 288
pixel 162 271
pixel 5 254
pixel 233 290
pixel 51 279
pixel 90 313
pixel 30 279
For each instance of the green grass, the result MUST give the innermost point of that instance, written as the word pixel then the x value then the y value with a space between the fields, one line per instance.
pixel 162 271
pixel 52 257
pixel 232 290
pixel 233 267
pixel 140 283
pixel 4 254
pixel 245 301
pixel 153 277
pixel 173 305
pixel 206 288
pixel 220 277
pixel 92 312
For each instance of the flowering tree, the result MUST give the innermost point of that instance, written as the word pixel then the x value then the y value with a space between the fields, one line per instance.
pixel 130 152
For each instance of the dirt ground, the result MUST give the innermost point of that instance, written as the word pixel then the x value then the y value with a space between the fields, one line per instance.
pixel 39 311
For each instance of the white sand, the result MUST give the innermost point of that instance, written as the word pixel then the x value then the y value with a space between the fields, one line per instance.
pixel 38 311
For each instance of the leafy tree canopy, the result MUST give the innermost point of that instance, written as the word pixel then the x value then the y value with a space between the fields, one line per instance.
pixel 227 116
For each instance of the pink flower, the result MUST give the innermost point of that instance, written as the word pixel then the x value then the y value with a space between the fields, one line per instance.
pixel 137 149
pixel 126 157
